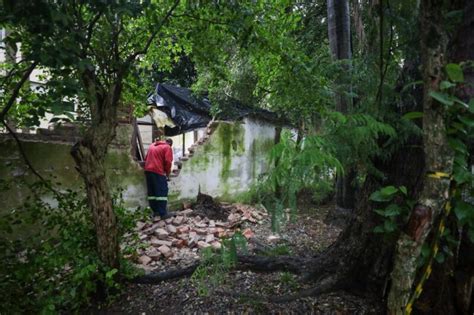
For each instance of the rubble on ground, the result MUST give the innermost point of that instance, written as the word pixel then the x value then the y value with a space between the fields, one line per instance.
pixel 179 239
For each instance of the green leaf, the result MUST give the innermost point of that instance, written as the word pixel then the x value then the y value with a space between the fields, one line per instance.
pixel 392 210
pixel 444 85
pixel 442 98
pixel 389 226
pixel 457 145
pixel 109 274
pixel 389 191
pixel 471 105
pixel 458 101
pixel 463 210
pixel 440 257
pixel 380 212
pixel 403 189
pixel 378 197
pixel 379 229
pixel 425 250
pixel 412 115
pixel 454 72
pixel 468 121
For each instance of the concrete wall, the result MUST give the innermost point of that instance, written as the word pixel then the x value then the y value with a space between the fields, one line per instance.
pixel 54 162
pixel 226 164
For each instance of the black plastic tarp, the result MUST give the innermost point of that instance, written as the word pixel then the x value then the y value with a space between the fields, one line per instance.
pixel 187 111
pixel 190 112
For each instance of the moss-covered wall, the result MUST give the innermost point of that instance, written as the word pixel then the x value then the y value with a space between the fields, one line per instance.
pixel 54 162
pixel 228 164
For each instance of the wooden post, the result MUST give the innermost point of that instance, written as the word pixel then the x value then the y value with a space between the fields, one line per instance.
pixel 133 140
pixel 141 149
pixel 184 144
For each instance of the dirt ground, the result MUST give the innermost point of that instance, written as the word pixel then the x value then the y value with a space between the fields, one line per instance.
pixel 240 291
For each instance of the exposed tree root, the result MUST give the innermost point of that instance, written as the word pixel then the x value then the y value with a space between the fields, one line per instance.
pixel 326 285
pixel 270 264
pixel 245 262
pixel 157 277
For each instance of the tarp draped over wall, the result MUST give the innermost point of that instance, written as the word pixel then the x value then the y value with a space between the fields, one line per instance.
pixel 186 111
pixel 190 112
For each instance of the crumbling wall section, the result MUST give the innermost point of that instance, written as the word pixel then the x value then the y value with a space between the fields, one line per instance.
pixel 228 162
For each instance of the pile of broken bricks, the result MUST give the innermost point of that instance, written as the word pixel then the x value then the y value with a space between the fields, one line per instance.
pixel 178 239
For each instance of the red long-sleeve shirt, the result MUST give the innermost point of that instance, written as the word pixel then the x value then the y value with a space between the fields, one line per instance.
pixel 159 158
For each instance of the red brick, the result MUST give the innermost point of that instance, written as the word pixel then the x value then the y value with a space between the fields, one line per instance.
pixel 144 260
pixel 165 250
pixel 248 233
pixel 202 244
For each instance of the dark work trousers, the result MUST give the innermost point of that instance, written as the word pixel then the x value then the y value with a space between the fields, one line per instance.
pixel 157 186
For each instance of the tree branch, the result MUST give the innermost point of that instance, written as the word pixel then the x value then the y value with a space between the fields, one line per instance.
pixel 90 30
pixel 4 112
pixel 10 73
pixel 153 35
pixel 22 151
pixel 200 19
pixel 16 90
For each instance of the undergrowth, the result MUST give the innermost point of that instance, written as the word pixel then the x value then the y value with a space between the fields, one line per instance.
pixel 214 265
pixel 48 255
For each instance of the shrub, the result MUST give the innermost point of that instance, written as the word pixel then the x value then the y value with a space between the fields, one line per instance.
pixel 48 256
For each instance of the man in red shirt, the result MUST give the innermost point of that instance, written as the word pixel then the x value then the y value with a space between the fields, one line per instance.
pixel 158 161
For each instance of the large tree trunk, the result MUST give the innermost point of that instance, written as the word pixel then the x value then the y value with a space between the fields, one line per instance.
pixel 438 158
pixel 89 155
pixel 91 167
pixel 339 34
pixel 361 258
pixel 450 288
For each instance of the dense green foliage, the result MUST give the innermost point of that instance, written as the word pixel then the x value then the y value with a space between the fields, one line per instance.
pixel 48 254
pixel 267 54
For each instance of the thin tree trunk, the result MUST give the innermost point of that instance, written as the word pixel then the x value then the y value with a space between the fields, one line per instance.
pixel 340 43
pixel 359 25
pixel 438 158
pixel 276 140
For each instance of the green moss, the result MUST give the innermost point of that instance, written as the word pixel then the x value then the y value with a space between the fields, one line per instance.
pixel 231 141
pixel 201 159
pixel 238 143
pixel 224 133
pixel 253 159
